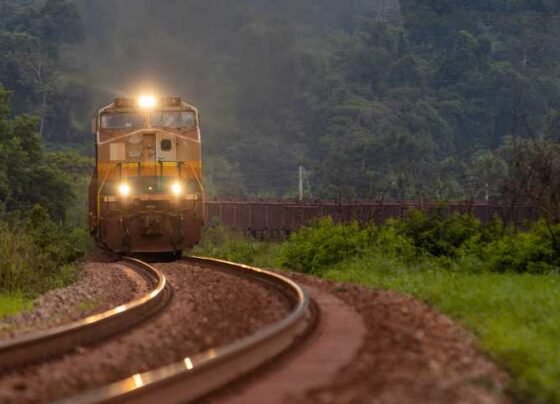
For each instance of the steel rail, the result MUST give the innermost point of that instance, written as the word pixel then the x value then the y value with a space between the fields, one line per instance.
pixel 195 376
pixel 41 345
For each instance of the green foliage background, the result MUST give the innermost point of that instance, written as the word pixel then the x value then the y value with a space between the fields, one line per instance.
pixel 44 108
pixel 376 98
pixel 42 209
pixel 455 242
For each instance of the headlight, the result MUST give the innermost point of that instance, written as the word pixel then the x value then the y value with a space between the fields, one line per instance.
pixel 124 189
pixel 147 101
pixel 176 188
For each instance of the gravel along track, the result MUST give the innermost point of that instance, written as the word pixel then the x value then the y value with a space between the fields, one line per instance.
pixel 209 309
pixel 101 286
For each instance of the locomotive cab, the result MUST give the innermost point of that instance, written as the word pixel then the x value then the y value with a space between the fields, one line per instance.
pixel 146 193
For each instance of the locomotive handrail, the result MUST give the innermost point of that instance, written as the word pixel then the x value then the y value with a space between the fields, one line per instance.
pixel 99 193
pixel 195 175
pixel 202 193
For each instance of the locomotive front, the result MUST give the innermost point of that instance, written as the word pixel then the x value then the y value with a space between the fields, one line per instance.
pixel 146 193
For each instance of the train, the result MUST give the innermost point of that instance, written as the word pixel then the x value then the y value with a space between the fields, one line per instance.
pixel 146 193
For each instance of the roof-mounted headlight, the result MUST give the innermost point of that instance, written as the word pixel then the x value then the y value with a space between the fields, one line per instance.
pixel 147 101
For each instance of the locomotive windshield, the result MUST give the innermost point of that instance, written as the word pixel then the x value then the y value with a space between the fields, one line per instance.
pixel 173 119
pixel 124 120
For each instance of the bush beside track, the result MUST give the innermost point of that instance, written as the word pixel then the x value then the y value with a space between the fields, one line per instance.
pixel 501 283
pixel 42 211
pixel 36 255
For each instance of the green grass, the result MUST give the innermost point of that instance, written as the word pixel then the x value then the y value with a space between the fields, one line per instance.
pixel 87 305
pixel 218 242
pixel 515 316
pixel 13 303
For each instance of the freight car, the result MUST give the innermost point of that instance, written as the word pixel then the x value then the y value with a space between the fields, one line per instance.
pixel 146 193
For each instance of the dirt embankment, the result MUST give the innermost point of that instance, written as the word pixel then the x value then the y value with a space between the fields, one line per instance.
pixel 410 354
pixel 406 353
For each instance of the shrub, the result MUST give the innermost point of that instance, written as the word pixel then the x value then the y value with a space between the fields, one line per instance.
pixel 323 244
pixel 531 251
pixel 219 242
pixel 437 234
pixel 37 255
pixel 454 242
pixel 388 241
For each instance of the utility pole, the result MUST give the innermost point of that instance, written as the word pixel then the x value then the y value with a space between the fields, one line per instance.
pixel 300 183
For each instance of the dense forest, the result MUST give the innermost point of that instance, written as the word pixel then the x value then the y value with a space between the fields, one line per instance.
pixel 43 109
pixel 375 98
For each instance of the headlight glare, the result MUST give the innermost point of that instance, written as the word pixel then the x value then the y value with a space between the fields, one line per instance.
pixel 147 101
pixel 176 188
pixel 124 189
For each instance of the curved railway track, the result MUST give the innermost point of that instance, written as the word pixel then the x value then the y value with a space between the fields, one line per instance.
pixel 56 341
pixel 189 378
pixel 199 374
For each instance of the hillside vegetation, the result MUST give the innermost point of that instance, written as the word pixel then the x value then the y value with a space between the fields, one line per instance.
pixel 376 98
pixel 41 212
pixel 42 190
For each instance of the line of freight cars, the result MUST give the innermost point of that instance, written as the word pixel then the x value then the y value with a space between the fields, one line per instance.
pixel 276 219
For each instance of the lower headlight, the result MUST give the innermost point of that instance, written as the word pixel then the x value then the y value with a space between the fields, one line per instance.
pixel 176 188
pixel 124 190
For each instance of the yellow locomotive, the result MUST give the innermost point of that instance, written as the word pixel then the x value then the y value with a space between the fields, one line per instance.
pixel 146 193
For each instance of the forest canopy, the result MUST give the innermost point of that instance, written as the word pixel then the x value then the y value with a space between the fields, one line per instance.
pixel 375 98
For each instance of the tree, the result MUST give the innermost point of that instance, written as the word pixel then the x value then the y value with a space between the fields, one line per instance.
pixel 534 178
pixel 27 178
pixel 34 69
pixel 31 35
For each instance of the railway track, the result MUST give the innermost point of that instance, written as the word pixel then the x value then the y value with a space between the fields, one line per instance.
pixel 190 377
pixel 197 375
pixel 57 341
